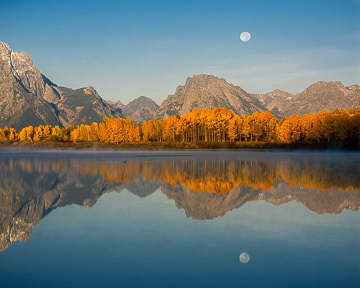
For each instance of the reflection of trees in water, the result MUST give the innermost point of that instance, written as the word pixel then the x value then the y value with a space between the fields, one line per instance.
pixel 30 189
pixel 211 175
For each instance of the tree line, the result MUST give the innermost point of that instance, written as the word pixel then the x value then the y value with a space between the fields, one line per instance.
pixel 204 125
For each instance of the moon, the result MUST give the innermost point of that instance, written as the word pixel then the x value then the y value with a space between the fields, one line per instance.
pixel 245 36
pixel 244 258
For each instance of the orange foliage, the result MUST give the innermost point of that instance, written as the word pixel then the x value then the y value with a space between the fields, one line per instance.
pixel 205 125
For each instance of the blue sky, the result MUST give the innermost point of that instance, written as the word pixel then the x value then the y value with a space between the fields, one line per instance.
pixel 126 49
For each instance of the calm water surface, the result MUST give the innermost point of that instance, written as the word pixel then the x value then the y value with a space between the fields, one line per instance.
pixel 179 219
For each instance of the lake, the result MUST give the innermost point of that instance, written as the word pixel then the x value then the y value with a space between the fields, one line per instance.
pixel 179 219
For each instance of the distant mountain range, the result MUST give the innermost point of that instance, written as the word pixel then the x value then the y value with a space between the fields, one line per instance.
pixel 29 98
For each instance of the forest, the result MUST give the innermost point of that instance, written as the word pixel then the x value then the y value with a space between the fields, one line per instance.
pixel 206 126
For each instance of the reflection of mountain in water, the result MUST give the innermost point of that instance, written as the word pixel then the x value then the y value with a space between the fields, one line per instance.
pixel 27 195
pixel 142 187
pixel 205 189
pixel 211 205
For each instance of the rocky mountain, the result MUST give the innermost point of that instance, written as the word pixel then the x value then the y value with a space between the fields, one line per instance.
pixel 324 96
pixel 29 98
pixel 140 109
pixel 207 91
pixel 23 90
pixel 118 105
pixel 275 101
pixel 314 99
pixel 82 106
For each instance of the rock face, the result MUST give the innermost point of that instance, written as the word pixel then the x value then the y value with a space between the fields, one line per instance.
pixel 275 101
pixel 207 91
pixel 82 106
pixel 314 99
pixel 140 109
pixel 22 90
pixel 28 98
pixel 117 106
pixel 324 96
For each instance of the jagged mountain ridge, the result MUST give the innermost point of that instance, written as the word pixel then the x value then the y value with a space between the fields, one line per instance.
pixel 324 96
pixel 316 98
pixel 138 110
pixel 29 98
pixel 118 105
pixel 82 106
pixel 208 92
pixel 275 101
pixel 21 89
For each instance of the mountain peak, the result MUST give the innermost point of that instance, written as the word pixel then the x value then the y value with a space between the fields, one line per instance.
pixel 90 90
pixel 118 103
pixel 322 96
pixel 141 108
pixel 353 87
pixel 279 92
pixel 144 98
pixel 4 49
pixel 203 76
pixel 208 92
pixel 200 79
pixel 326 84
pixel 29 98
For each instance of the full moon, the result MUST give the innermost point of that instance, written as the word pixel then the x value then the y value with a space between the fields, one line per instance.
pixel 244 257
pixel 245 36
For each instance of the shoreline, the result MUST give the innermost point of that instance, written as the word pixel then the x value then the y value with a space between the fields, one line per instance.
pixel 186 147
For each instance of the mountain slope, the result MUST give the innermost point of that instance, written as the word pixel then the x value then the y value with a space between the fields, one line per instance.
pixel 324 96
pixel 29 98
pixel 140 109
pixel 208 91
pixel 317 97
pixel 21 91
pixel 275 101
pixel 117 106
pixel 82 106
